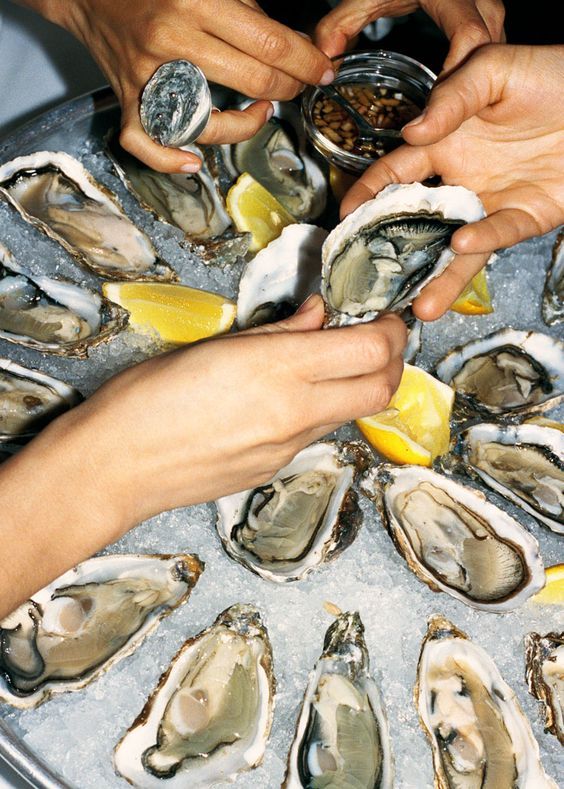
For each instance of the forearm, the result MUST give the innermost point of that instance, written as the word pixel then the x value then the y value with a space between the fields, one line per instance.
pixel 55 508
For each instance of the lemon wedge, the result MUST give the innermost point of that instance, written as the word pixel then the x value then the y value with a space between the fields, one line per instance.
pixel 254 210
pixel 553 592
pixel 415 428
pixel 177 313
pixel 475 299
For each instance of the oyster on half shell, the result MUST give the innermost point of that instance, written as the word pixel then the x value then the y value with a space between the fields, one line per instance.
pixel 281 276
pixel 553 294
pixel 99 612
pixel 306 514
pixel 53 315
pixel 55 192
pixel 342 737
pixel 382 255
pixel 455 540
pixel 478 733
pixel 29 399
pixel 524 463
pixel 544 657
pixel 276 156
pixel 192 202
pixel 210 715
pixel 508 372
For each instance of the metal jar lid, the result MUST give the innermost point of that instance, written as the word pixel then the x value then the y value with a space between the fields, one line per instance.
pixel 176 104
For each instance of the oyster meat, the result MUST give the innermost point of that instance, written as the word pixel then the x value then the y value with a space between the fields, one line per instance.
pixel 281 276
pixel 553 294
pixel 94 615
pixel 276 157
pixel 544 657
pixel 478 733
pixel 53 315
pixel 382 255
pixel 306 514
pixel 524 463
pixel 54 192
pixel 342 737
pixel 29 399
pixel 508 372
pixel 192 202
pixel 211 712
pixel 456 541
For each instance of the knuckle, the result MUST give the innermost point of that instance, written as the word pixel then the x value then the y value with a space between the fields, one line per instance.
pixel 272 46
pixel 268 83
pixel 380 395
pixel 378 350
pixel 476 33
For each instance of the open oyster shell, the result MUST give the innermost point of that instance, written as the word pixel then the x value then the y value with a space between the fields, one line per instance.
pixel 553 294
pixel 29 399
pixel 55 192
pixel 192 202
pixel 277 157
pixel 455 540
pixel 306 514
pixel 281 276
pixel 524 463
pixel 382 255
pixel 210 715
pixel 342 737
pixel 544 657
pixel 478 733
pixel 506 373
pixel 53 315
pixel 91 617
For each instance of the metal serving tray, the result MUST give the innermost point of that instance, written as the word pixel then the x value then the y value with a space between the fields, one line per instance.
pixel 69 127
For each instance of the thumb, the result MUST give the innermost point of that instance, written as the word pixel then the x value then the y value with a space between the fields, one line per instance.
pixel 309 317
pixel 474 86
pixel 335 30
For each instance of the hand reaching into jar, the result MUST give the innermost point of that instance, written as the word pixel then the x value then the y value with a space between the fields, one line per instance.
pixel 185 427
pixel 493 126
pixel 467 24
pixel 233 42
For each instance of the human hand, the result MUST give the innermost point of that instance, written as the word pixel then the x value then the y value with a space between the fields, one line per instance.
pixel 226 414
pixel 232 41
pixel 467 24
pixel 494 126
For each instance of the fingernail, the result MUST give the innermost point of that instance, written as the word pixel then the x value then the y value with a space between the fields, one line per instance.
pixel 328 77
pixel 415 121
pixel 269 112
pixel 307 305
pixel 191 167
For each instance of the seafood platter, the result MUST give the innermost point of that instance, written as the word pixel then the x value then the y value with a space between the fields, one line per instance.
pixel 352 623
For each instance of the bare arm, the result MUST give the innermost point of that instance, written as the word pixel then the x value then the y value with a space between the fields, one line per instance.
pixel 225 415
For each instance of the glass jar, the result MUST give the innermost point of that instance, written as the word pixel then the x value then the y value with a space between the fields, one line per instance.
pixel 389 89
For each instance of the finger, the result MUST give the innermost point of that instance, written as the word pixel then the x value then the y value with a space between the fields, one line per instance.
pixel 229 66
pixel 236 125
pixel 137 142
pixel 471 88
pixel 493 14
pixel 269 42
pixel 463 25
pixel 309 317
pixel 442 292
pixel 344 22
pixel 351 351
pixel 404 165
pixel 499 230
pixel 346 399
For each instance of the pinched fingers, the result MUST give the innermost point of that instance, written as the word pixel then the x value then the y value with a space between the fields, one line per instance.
pixel 137 142
pixel 441 293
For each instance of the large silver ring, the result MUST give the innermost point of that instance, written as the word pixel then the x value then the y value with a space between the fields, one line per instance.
pixel 176 104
